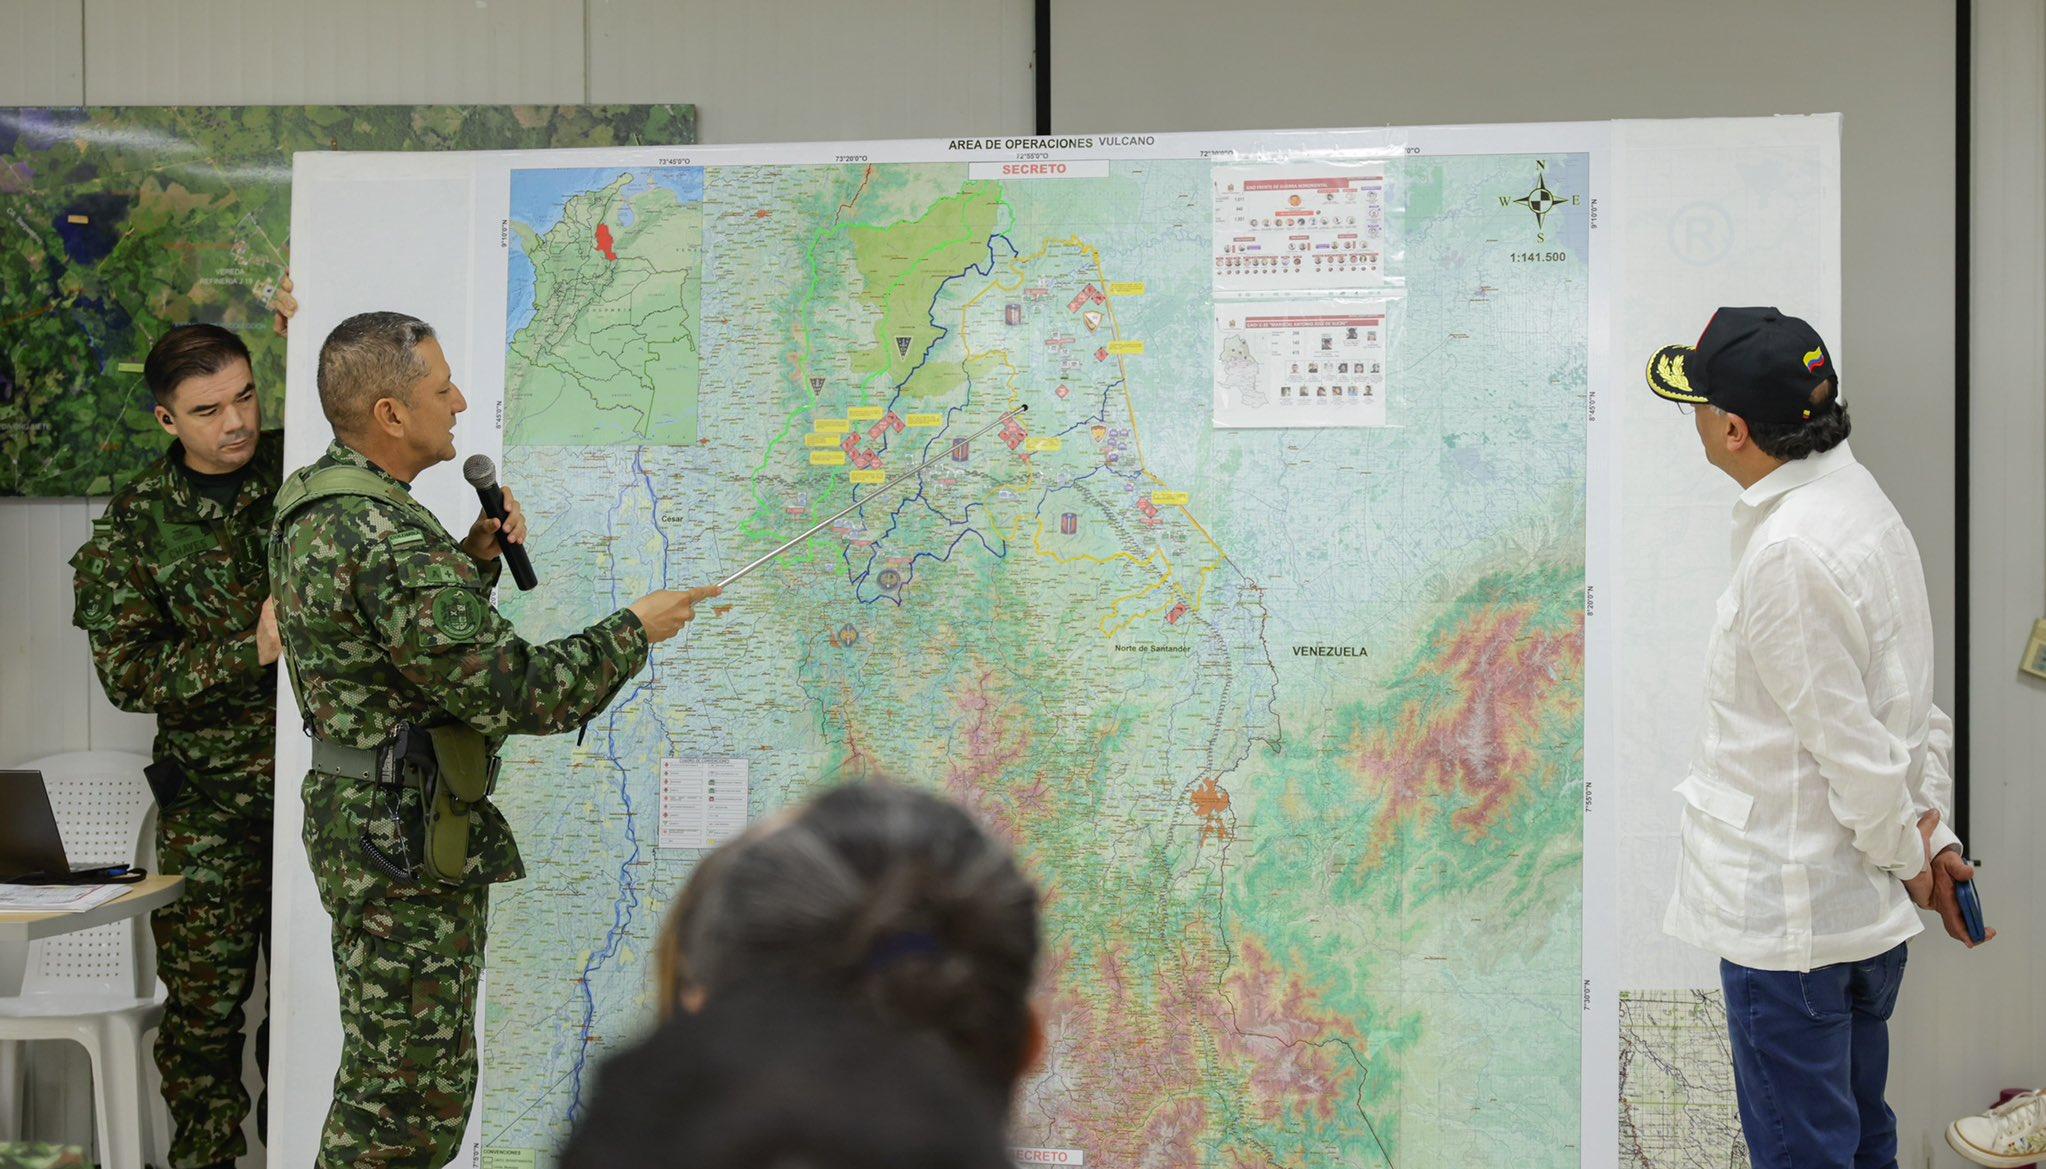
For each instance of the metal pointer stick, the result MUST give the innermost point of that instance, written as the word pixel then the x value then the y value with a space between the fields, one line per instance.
pixel 820 525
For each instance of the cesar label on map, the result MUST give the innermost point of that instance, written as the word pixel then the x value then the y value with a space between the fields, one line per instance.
pixel 1300 363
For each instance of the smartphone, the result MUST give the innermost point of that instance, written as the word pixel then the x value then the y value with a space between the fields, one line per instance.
pixel 1971 911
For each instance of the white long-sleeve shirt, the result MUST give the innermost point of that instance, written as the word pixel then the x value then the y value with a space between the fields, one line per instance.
pixel 1821 745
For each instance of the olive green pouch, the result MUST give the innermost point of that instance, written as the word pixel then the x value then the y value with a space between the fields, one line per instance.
pixel 465 772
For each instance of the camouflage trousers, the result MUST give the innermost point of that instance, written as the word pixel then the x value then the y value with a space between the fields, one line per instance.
pixel 207 942
pixel 407 964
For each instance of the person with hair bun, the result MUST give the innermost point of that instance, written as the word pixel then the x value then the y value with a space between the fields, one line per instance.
pixel 846 984
pixel 887 897
pixel 772 1076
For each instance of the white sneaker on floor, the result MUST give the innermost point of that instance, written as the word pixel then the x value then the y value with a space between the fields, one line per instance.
pixel 2011 1134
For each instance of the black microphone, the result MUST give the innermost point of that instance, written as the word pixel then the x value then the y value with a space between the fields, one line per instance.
pixel 482 475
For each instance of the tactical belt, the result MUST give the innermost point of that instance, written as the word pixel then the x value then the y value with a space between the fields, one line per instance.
pixel 453 770
pixel 346 762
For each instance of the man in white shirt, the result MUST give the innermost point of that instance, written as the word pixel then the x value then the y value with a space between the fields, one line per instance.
pixel 1815 801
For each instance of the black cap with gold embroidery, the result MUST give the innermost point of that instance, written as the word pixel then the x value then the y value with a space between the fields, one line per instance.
pixel 1754 362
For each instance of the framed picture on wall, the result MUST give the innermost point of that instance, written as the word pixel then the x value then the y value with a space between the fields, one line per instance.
pixel 2034 662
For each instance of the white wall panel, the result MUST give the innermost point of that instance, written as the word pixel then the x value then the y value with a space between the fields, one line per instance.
pixel 803 71
pixel 296 52
pixel 41 52
pixel 1973 1022
pixel 45 676
pixel 1970 1023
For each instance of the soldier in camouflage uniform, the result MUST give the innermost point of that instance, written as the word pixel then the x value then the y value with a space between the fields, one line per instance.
pixel 173 592
pixel 387 619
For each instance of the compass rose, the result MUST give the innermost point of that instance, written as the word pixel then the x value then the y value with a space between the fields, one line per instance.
pixel 1541 200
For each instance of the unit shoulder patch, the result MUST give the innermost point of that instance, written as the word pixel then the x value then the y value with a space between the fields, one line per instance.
pixel 457 614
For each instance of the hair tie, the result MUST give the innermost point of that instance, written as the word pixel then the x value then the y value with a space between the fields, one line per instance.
pixel 895 947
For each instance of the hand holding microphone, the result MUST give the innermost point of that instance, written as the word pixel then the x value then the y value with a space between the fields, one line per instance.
pixel 501 527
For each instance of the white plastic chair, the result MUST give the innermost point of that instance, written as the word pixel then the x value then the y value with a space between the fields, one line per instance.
pixel 95 987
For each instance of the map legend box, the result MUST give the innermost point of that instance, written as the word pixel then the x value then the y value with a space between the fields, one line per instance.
pixel 703 801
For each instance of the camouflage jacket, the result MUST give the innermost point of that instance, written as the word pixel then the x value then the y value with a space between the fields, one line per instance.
pixel 386 620
pixel 168 590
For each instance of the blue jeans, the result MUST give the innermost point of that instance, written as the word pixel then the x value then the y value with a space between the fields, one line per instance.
pixel 1811 1053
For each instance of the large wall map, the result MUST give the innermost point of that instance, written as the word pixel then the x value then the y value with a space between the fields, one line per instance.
pixel 1288 724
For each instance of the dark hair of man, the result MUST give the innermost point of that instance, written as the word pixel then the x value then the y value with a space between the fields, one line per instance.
pixel 1827 428
pixel 189 351
pixel 367 357
pixel 778 1077
pixel 888 896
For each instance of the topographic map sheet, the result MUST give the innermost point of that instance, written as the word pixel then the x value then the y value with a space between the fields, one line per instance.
pixel 1266 717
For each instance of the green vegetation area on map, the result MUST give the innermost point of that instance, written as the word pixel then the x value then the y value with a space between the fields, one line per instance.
pixel 610 354
pixel 1292 898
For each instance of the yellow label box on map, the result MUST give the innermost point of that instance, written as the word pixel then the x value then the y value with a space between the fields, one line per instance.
pixel 924 420
pixel 827 458
pixel 833 426
pixel 1169 498
pixel 1046 443
pixel 1126 288
pixel 865 413
pixel 1126 348
pixel 819 438
pixel 870 475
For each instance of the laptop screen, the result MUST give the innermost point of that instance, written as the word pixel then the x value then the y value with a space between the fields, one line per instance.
pixel 28 828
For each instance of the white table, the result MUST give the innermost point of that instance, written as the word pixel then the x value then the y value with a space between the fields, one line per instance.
pixel 151 893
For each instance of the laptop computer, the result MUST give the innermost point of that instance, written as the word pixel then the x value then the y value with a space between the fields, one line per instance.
pixel 31 851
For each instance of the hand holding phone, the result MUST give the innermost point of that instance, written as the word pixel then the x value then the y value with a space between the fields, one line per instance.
pixel 1971 910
